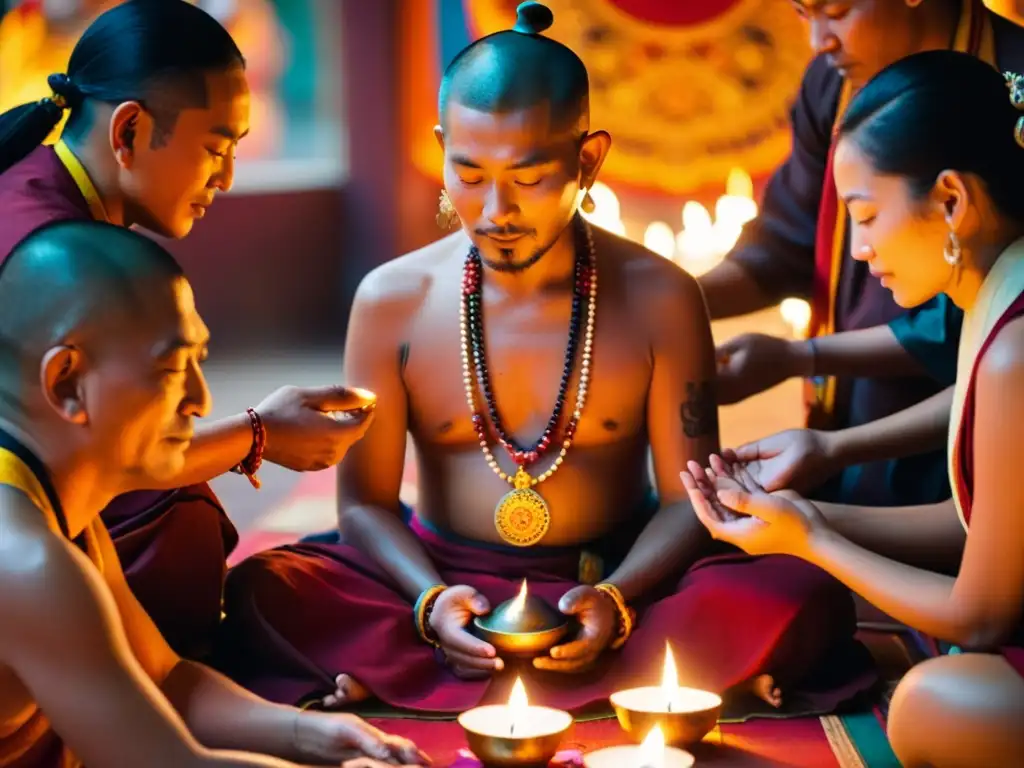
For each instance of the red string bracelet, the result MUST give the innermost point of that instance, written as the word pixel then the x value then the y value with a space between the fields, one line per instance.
pixel 250 465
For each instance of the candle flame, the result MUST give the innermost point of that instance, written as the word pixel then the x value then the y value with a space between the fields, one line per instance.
pixel 696 218
pixel 660 238
pixel 652 750
pixel 797 313
pixel 518 704
pixel 670 680
pixel 518 605
pixel 739 183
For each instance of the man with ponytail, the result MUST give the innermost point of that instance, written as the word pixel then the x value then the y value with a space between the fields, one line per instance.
pixel 156 100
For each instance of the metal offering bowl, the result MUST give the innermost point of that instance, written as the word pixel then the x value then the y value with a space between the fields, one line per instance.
pixel 509 751
pixel 640 709
pixel 522 628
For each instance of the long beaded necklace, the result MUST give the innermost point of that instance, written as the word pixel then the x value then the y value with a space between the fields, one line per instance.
pixel 521 516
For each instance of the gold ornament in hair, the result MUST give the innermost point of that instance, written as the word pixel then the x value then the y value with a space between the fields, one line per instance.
pixel 446 216
pixel 1015 83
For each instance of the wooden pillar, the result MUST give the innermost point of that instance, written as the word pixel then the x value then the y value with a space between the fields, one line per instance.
pixel 370 55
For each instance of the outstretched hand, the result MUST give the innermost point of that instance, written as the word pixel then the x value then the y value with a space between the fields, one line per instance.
pixel 312 428
pixel 736 509
pixel 598 618
pixel 354 743
pixel 799 459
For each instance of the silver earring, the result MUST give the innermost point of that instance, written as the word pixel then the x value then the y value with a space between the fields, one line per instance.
pixel 952 253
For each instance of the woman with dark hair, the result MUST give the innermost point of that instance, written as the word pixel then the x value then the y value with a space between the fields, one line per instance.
pixel 876 376
pixel 156 100
pixel 930 160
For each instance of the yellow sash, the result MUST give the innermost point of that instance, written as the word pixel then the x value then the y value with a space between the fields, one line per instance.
pixel 1003 285
pixel 82 180
pixel 16 474
pixel 29 736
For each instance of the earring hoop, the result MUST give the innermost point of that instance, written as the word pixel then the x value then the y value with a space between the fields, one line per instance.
pixel 953 253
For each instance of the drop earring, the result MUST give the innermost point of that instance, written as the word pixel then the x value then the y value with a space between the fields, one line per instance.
pixel 446 215
pixel 953 253
pixel 587 205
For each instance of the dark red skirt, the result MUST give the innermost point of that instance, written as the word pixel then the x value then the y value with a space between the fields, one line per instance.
pixel 297 616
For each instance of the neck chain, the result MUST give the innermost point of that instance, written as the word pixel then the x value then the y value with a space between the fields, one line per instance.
pixel 521 516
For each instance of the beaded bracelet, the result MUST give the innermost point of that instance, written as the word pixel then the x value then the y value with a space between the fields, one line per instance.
pixel 627 616
pixel 422 610
pixel 251 464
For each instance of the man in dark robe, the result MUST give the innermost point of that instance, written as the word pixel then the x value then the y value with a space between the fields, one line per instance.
pixel 387 611
pixel 156 100
pixel 799 247
pixel 91 316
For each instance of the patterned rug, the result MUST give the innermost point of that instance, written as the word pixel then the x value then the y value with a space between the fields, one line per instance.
pixel 850 740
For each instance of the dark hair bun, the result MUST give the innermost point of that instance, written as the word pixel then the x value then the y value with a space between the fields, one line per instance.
pixel 61 85
pixel 533 18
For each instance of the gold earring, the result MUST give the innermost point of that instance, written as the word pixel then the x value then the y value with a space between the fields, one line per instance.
pixel 587 204
pixel 446 215
pixel 953 253
pixel 1015 83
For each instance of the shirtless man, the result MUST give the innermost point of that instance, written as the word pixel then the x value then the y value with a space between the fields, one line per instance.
pixel 365 616
pixel 100 382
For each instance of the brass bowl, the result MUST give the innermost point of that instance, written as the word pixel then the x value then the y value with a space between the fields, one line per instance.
pixel 496 751
pixel 529 629
pixel 521 644
pixel 697 714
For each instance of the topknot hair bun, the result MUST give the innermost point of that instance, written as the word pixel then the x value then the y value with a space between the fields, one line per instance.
pixel 533 18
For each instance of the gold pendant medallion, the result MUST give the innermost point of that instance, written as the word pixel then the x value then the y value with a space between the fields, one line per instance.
pixel 521 516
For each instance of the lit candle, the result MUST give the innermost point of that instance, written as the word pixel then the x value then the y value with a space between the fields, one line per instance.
pixel 525 626
pixel 670 682
pixel 660 238
pixel 797 314
pixel 518 707
pixel 515 733
pixel 698 252
pixel 607 212
pixel 652 753
pixel 652 750
pixel 684 715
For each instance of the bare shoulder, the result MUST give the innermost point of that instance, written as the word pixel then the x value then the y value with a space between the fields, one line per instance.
pixel 1003 363
pixel 42 582
pixel 654 285
pixel 406 279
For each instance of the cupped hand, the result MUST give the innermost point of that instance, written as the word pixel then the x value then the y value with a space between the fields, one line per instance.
pixel 753 362
pixel 354 743
pixel 302 432
pixel 799 459
pixel 598 618
pixel 469 657
pixel 734 509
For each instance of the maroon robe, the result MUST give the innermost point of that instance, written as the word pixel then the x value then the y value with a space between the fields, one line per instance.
pixel 964 462
pixel 173 545
pixel 300 615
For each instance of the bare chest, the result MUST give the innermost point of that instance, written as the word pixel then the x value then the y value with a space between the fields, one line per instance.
pixel 525 354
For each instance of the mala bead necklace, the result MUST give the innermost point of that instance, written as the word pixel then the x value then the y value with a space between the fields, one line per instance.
pixel 521 516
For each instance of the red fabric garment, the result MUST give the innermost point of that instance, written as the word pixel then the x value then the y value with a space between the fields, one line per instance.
pixel 298 616
pixel 964 478
pixel 34 192
pixel 173 545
